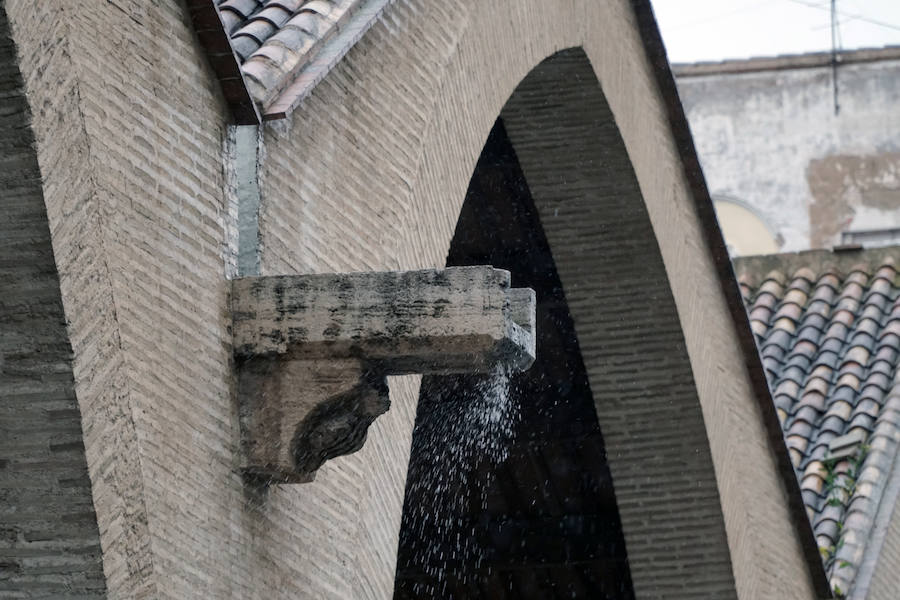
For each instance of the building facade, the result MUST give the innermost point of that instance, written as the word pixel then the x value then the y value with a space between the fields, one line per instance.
pixel 810 150
pixel 132 198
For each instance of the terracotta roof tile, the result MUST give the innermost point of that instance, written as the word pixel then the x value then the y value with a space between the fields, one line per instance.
pixel 282 48
pixel 829 337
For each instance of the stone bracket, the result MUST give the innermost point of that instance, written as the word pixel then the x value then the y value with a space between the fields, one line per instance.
pixel 313 352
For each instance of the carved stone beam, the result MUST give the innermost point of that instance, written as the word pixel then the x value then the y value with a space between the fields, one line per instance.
pixel 313 351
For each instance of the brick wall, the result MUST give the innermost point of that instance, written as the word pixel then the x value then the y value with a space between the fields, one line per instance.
pixel 49 541
pixel 129 134
pixel 399 163
pixel 369 173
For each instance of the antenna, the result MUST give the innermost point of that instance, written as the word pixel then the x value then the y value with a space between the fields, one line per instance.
pixel 834 55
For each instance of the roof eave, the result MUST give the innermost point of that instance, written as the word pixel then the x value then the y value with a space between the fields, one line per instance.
pixel 215 41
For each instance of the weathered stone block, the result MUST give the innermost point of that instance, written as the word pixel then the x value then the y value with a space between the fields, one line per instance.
pixel 313 352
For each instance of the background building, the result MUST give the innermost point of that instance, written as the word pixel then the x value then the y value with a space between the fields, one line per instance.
pixel 545 137
pixel 814 170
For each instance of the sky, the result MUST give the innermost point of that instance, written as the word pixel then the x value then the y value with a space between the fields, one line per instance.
pixel 711 30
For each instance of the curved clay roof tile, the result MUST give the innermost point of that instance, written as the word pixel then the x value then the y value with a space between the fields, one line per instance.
pixel 800 430
pixel 859 275
pixel 761 314
pixel 881 285
pixel 840 409
pixel 879 365
pixel 825 293
pixel 798 360
pixel 848 304
pixel 784 323
pixel 772 286
pixel 851 368
pixel 872 393
pixel 862 421
pixel 807 414
pixel 815 469
pixel 806 274
pixel 868 407
pixel 829 279
pixel 844 315
pixel 892 328
pixel 788 387
pixel 805 348
pixel 784 402
pixel 888 348
pixel 792 372
pixel 810 333
pixel 857 353
pixel 259 29
pixel 850 380
pixel 818 308
pixel 759 328
pixel 832 424
pixel 821 372
pixel 844 392
pixel 244 8
pixel 816 385
pixel 873 310
pixel 766 299
pixel 797 295
pixel 780 334
pixel 813 400
pixel 879 380
pixel 831 345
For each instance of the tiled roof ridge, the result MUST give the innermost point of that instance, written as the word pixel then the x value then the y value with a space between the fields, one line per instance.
pixel 829 338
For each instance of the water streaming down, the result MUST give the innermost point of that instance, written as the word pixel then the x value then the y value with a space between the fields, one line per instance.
pixel 472 422
pixel 508 491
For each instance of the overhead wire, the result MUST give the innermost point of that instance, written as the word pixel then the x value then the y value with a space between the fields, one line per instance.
pixel 858 17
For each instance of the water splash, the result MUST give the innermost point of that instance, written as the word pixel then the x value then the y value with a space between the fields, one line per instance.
pixel 465 429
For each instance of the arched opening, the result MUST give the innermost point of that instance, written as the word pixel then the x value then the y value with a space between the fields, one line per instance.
pixel 555 199
pixel 509 494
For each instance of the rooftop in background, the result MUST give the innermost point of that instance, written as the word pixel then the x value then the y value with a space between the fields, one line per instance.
pixel 787 61
pixel 828 328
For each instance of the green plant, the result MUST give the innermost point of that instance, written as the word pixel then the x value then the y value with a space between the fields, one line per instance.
pixel 839 488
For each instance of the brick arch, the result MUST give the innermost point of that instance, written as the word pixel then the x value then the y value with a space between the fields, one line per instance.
pixel 593 214
pixel 407 112
pixel 603 241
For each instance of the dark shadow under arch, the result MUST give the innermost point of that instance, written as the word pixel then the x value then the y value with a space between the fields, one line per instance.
pixel 618 318
pixel 537 517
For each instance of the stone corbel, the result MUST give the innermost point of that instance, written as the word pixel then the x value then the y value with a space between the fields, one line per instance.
pixel 313 353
